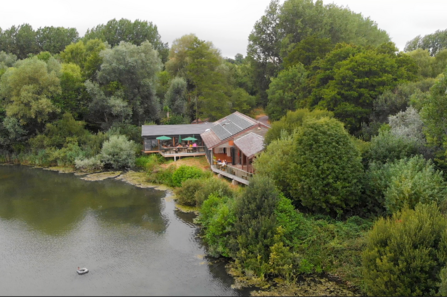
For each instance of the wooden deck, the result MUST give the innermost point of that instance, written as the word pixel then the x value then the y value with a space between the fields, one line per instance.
pixel 231 176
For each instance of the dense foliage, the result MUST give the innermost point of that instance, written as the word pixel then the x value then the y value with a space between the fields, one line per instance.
pixel 406 253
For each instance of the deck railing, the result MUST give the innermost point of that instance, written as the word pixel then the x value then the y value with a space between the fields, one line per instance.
pixel 182 150
pixel 234 171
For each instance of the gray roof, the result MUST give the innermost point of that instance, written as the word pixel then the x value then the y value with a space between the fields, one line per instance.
pixel 172 130
pixel 231 125
pixel 250 144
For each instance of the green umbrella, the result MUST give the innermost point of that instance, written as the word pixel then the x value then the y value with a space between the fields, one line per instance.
pixel 189 138
pixel 179 138
pixel 163 138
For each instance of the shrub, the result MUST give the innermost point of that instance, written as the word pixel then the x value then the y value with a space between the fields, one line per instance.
pixel 217 218
pixel 406 253
pixel 405 182
pixel 118 152
pixel 186 194
pixel 184 173
pixel 162 176
pixel 255 226
pixel 388 147
pixel 150 162
pixel 326 169
pixel 210 186
pixel 414 180
pixel 89 165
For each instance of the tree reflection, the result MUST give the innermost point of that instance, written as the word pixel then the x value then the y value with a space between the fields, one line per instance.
pixel 54 203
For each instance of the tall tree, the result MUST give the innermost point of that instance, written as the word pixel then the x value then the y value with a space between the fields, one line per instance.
pixel 283 27
pixel 135 32
pixel 126 85
pixel 27 91
pixel 349 79
pixel 434 42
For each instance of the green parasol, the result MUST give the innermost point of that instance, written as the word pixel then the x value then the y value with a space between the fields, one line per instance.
pixel 179 138
pixel 189 138
pixel 163 138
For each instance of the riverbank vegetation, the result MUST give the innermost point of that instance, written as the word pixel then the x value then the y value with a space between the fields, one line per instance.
pixel 352 182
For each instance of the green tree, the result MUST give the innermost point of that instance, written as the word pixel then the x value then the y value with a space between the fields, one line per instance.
pixel 175 97
pixel 20 41
pixel 209 87
pixel 406 253
pixel 127 85
pixel 28 90
pixel 434 42
pixel 125 30
pixel 284 27
pixel 326 168
pixel 350 78
pixel 255 226
pixel 55 39
pixel 86 56
pixel 286 91
pixel 292 121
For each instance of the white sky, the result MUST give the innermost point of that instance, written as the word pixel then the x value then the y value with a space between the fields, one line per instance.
pixel 225 23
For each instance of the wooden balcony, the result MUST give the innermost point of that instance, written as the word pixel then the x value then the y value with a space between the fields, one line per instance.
pixel 233 173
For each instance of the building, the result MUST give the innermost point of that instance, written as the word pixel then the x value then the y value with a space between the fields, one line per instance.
pixel 165 139
pixel 232 143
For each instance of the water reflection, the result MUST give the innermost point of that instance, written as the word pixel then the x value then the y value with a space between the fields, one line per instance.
pixel 55 203
pixel 132 240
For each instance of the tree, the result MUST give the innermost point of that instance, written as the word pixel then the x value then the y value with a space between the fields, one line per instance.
pixel 175 97
pixel 127 85
pixel 28 90
pixel 6 61
pixel 255 226
pixel 350 78
pixel 209 86
pixel 284 27
pixel 178 55
pixel 55 39
pixel 19 41
pixel 434 42
pixel 326 168
pixel 86 56
pixel 125 30
pixel 292 121
pixel 286 91
pixel 241 101
pixel 73 98
pixel 405 254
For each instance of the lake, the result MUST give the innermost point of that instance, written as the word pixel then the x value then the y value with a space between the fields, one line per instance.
pixel 133 240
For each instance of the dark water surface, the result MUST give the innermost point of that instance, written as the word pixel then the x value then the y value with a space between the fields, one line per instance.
pixel 133 240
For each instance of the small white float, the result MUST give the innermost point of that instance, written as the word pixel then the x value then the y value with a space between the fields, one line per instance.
pixel 82 270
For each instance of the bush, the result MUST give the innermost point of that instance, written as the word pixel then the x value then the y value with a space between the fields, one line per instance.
pixel 184 173
pixel 186 194
pixel 118 152
pixel 404 183
pixel 210 186
pixel 150 162
pixel 406 253
pixel 162 176
pixel 217 218
pixel 388 147
pixel 414 180
pixel 89 165
pixel 326 170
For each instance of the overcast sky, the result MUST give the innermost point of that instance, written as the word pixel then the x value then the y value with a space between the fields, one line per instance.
pixel 226 23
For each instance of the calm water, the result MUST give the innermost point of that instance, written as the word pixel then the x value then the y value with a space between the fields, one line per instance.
pixel 133 240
